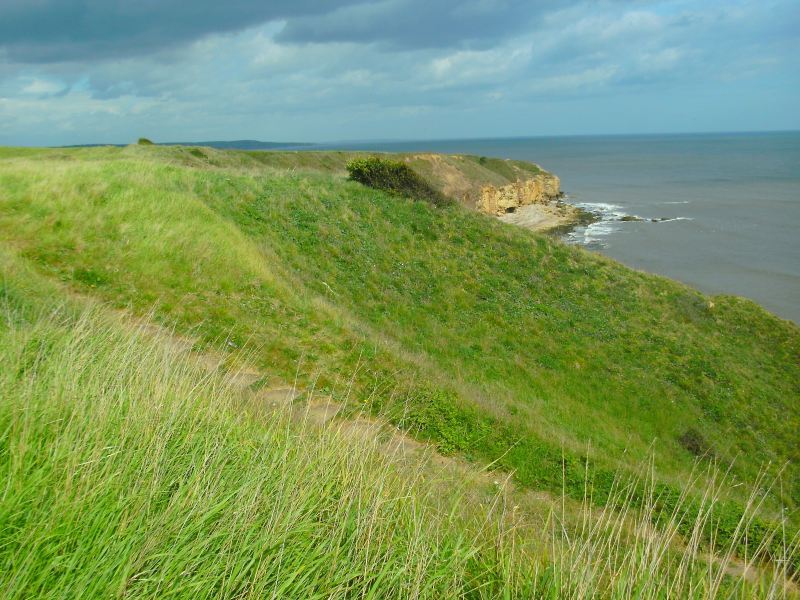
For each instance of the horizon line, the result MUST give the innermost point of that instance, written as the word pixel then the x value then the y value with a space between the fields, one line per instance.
pixel 422 140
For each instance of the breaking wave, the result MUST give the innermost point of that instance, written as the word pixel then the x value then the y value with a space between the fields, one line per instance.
pixel 611 218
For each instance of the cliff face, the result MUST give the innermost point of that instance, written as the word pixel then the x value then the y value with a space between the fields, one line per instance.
pixel 489 185
pixel 499 200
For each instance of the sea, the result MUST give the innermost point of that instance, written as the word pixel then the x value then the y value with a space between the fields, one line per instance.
pixel 720 212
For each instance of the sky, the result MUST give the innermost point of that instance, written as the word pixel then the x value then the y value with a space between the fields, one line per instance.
pixel 110 71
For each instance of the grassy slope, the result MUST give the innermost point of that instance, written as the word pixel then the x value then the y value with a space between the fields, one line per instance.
pixel 462 175
pixel 494 342
pixel 131 471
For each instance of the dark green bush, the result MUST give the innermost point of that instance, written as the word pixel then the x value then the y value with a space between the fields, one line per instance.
pixel 396 177
pixel 694 442
pixel 144 142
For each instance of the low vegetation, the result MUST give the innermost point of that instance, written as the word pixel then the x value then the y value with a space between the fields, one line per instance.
pixel 129 475
pixel 395 177
pixel 132 472
pixel 562 369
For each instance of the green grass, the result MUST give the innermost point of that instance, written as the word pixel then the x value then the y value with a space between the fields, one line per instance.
pixel 574 347
pixel 494 343
pixel 128 474
pixel 584 350
pixel 470 173
pixel 510 169
pixel 132 472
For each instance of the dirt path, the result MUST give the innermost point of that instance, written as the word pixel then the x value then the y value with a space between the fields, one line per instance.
pixel 320 411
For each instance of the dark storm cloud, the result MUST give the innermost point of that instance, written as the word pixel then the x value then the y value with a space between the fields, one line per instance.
pixel 43 31
pixel 40 31
pixel 76 71
pixel 422 23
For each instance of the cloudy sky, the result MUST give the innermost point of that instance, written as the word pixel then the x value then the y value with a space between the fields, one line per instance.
pixel 82 71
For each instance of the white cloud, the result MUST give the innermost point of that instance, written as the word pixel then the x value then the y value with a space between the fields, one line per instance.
pixel 586 80
pixel 41 87
pixel 249 84
pixel 661 60
pixel 474 66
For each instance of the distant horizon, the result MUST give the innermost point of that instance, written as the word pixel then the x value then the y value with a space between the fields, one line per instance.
pixel 297 143
pixel 565 135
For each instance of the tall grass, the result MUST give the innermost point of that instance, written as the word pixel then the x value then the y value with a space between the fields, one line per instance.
pixel 127 470
pixel 131 472
pixel 637 550
pixel 128 473
pixel 512 348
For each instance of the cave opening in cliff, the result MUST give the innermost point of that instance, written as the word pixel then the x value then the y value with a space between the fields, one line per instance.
pixel 511 209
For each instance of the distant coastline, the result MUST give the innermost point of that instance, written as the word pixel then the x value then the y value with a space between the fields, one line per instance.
pixel 221 145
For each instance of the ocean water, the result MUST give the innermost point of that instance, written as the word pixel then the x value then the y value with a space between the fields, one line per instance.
pixel 727 205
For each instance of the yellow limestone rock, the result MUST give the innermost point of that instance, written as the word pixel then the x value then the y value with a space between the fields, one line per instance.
pixel 542 189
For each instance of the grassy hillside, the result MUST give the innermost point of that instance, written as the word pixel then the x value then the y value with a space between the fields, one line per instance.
pixel 495 344
pixel 458 176
pixel 127 473
pixel 132 471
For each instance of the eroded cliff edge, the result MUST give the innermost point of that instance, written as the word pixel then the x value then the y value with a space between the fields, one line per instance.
pixel 543 189
pixel 517 192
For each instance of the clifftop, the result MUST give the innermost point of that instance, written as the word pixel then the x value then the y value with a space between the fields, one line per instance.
pixel 489 185
pixel 483 183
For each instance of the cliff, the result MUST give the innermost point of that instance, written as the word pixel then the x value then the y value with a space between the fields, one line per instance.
pixel 541 189
pixel 490 185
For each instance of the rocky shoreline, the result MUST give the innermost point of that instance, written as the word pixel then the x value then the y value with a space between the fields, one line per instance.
pixel 555 217
pixel 536 204
pixel 539 204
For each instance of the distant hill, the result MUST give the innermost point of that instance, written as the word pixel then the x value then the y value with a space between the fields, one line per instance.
pixel 242 145
pixel 223 145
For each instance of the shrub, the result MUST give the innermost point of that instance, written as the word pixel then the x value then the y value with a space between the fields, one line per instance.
pixel 144 142
pixel 694 442
pixel 395 177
